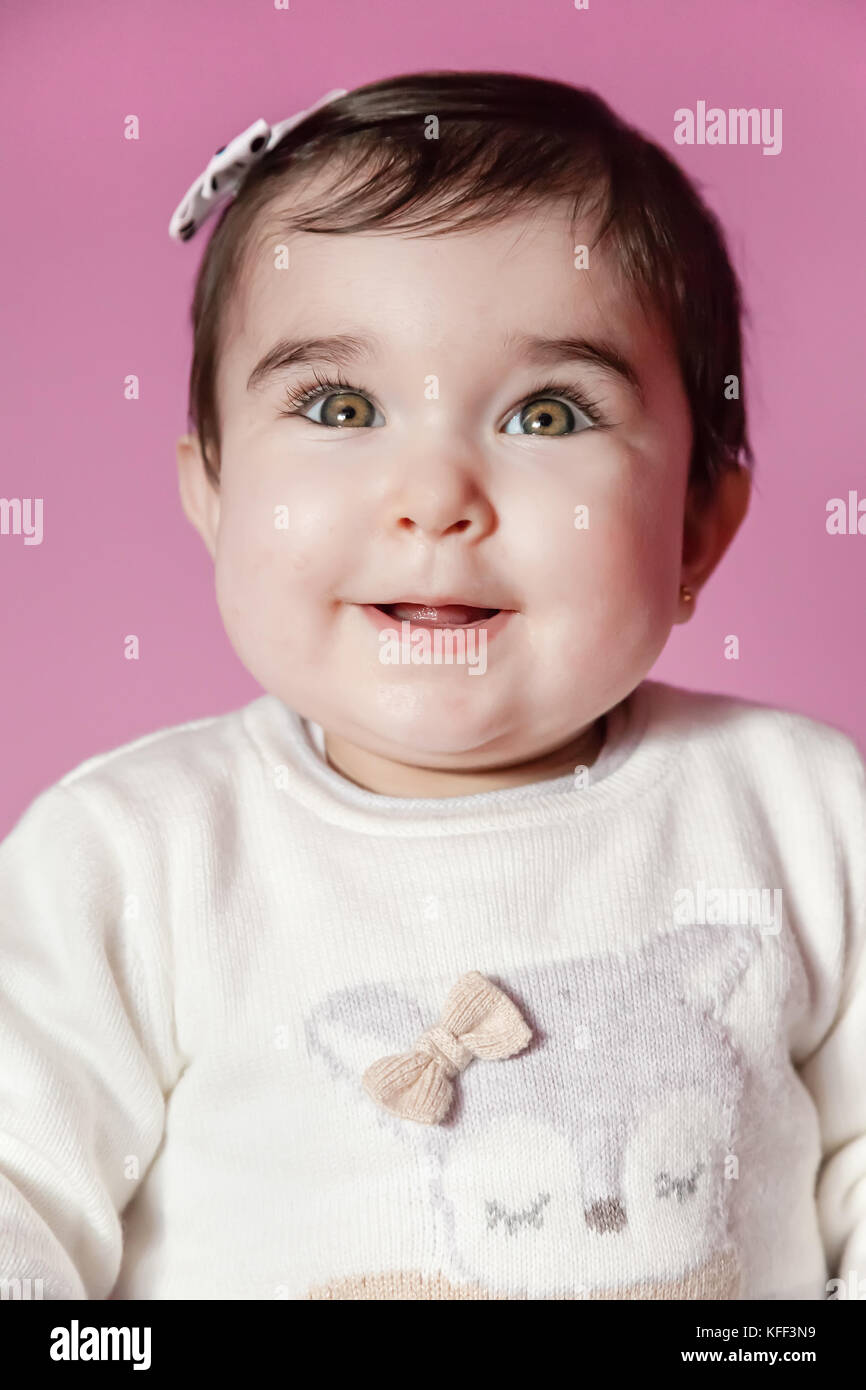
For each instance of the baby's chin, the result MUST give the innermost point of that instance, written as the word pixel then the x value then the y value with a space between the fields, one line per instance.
pixel 453 750
pixel 431 742
pixel 424 727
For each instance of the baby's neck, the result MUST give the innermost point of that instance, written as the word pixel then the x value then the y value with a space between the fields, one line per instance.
pixel 389 778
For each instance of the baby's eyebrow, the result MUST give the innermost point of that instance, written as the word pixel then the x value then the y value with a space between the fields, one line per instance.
pixel 595 352
pixel 342 349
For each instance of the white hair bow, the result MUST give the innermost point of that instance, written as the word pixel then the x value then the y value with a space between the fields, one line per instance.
pixel 227 170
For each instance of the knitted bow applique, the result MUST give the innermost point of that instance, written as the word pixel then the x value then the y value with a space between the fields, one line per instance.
pixel 478 1020
pixel 227 170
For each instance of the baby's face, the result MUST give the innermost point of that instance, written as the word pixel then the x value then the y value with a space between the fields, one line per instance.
pixel 446 481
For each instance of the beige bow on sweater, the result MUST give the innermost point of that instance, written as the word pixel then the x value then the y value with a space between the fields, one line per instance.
pixel 478 1021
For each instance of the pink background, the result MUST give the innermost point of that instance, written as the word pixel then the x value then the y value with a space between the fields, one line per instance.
pixel 94 289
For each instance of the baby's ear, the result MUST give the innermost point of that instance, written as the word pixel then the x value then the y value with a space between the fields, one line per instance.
pixel 710 524
pixel 199 496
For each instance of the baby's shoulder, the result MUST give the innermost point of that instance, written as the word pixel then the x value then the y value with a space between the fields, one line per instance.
pixel 759 743
pixel 196 743
pixel 196 772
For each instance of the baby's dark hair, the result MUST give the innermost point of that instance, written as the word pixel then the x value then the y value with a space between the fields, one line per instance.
pixel 505 141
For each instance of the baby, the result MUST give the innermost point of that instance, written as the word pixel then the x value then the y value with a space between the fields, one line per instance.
pixel 467 962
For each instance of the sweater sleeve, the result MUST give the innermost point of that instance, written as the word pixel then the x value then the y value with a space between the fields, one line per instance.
pixel 86 1041
pixel 835 1073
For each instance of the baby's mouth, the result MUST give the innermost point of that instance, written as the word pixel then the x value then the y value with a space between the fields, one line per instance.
pixel 448 615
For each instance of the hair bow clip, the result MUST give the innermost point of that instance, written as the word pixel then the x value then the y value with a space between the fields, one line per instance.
pixel 478 1020
pixel 229 167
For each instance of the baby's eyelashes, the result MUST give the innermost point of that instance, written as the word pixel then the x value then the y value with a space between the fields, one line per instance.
pixel 549 413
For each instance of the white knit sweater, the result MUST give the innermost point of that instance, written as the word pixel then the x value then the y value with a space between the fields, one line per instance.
pixel 207 936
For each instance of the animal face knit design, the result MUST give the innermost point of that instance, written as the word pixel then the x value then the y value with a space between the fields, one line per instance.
pixel 209 939
pixel 601 1151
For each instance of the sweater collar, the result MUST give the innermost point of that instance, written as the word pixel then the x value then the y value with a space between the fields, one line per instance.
pixel 635 754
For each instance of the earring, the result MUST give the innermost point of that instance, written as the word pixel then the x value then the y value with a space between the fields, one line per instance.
pixel 686 594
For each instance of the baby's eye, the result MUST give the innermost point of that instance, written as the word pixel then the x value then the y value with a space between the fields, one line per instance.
pixel 549 416
pixel 344 410
pixel 553 411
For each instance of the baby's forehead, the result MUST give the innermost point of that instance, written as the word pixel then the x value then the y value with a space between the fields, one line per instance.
pixel 535 271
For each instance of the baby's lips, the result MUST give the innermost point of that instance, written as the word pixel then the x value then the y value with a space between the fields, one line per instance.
pixel 453 614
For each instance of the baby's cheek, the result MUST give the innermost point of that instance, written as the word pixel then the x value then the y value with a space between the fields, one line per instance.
pixel 258 551
pixel 610 589
pixel 634 531
pixel 249 579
